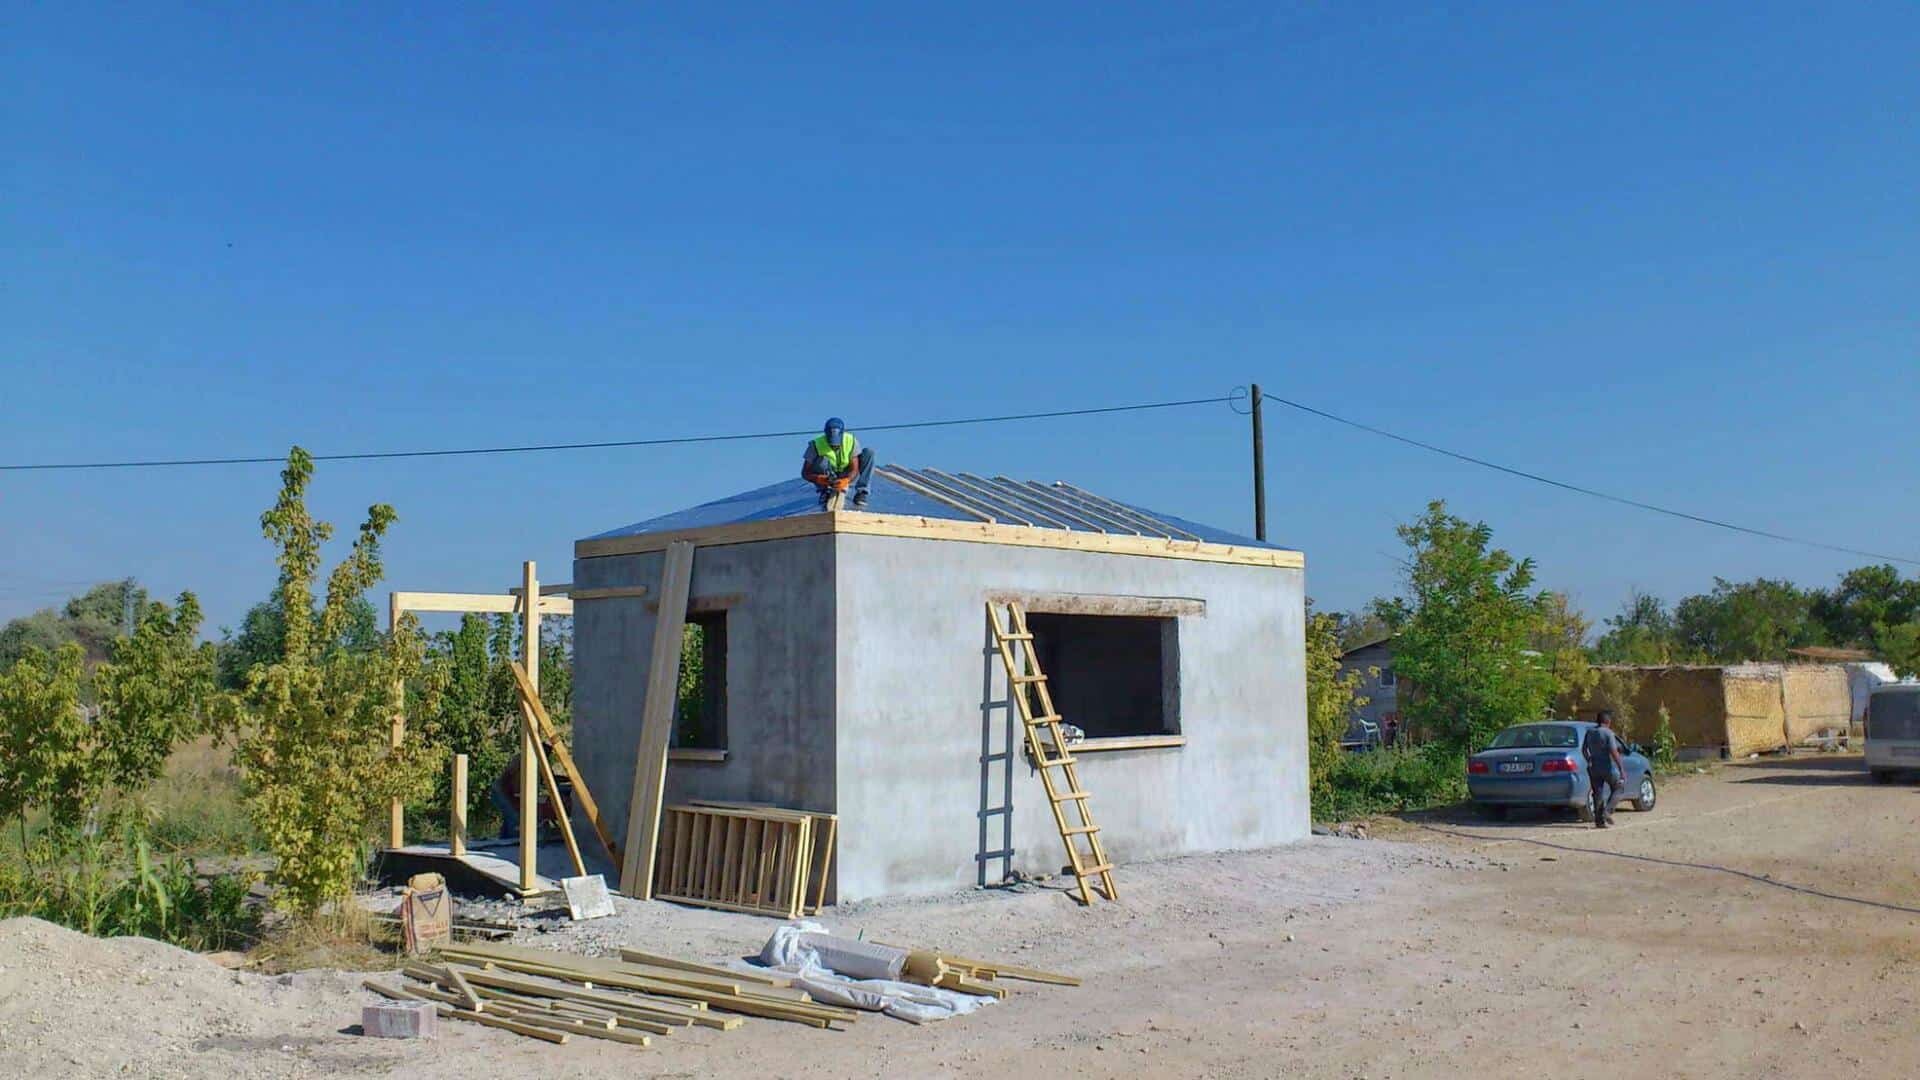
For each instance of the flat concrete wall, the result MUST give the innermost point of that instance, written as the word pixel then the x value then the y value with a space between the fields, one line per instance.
pixel 921 695
pixel 779 601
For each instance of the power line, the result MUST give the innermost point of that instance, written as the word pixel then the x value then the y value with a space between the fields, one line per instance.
pixel 1576 488
pixel 616 444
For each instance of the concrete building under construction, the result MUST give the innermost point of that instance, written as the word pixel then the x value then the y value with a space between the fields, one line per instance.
pixel 844 665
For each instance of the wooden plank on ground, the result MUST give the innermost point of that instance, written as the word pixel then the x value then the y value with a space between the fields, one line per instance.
pixel 656 722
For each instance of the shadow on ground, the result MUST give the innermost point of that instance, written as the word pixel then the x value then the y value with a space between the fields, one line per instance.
pixel 1804 772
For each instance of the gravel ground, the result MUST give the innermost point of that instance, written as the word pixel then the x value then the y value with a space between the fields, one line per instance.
pixel 1442 947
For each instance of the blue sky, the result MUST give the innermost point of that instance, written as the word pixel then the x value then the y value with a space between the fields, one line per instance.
pixel 1666 250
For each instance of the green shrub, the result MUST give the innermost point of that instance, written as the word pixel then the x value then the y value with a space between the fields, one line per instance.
pixel 1666 746
pixel 1390 780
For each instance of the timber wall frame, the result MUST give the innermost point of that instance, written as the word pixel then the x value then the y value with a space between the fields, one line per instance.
pixel 549 601
pixel 925 528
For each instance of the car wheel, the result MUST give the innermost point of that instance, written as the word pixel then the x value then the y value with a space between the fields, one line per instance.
pixel 1644 801
pixel 1584 812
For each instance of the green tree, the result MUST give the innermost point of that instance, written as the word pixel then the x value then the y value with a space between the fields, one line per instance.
pixel 1465 647
pixel 314 722
pixel 1642 633
pixel 41 722
pixel 1331 698
pixel 261 638
pixel 1900 646
pixel 65 758
pixel 1867 598
pixel 93 620
pixel 1381 617
pixel 1750 620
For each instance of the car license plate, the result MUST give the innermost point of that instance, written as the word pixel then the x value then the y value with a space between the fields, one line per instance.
pixel 1516 766
pixel 1906 751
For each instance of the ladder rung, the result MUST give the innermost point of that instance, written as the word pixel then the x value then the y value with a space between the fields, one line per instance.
pixel 1089 871
pixel 1065 795
pixel 1079 830
pixel 1016 637
pixel 1029 678
pixel 1050 718
pixel 1048 763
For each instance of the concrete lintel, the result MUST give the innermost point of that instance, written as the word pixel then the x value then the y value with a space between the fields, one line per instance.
pixel 1158 607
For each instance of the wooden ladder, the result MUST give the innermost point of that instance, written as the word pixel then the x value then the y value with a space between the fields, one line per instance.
pixel 1047 746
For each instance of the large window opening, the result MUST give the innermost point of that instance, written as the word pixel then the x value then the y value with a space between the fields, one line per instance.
pixel 1111 676
pixel 700 711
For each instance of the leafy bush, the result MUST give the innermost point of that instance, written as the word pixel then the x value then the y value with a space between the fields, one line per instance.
pixel 1390 780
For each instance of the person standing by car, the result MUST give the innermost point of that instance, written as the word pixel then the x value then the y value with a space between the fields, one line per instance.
pixel 1604 767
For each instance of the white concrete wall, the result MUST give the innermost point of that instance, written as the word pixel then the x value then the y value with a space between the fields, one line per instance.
pixel 780 671
pixel 913 677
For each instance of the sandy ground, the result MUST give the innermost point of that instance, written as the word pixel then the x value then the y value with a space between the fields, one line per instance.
pixel 1446 946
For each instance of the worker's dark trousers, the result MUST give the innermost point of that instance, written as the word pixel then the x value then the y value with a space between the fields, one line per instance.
pixel 865 464
pixel 1605 790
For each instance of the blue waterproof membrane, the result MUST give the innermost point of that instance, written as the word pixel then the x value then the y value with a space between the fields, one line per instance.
pixel 796 497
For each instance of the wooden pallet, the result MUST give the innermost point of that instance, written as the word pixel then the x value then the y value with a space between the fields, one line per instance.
pixel 1047 747
pixel 748 859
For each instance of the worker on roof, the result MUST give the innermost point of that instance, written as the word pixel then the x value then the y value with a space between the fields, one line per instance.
pixel 834 460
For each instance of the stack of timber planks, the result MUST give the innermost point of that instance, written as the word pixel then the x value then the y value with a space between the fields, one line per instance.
pixel 681 989
pixel 744 857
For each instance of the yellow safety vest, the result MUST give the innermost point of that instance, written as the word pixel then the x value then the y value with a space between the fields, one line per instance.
pixel 837 459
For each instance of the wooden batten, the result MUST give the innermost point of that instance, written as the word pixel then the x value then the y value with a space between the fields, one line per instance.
pixel 924 528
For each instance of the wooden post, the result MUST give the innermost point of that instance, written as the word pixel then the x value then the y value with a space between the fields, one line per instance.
pixel 1259 469
pixel 457 834
pixel 529 765
pixel 396 814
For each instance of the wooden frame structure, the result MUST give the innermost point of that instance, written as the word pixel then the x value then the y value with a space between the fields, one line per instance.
pixel 546 601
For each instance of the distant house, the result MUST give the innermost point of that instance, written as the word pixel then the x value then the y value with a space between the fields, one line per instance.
pixel 1379 685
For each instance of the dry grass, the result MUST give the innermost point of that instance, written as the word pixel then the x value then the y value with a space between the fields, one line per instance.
pixel 344 938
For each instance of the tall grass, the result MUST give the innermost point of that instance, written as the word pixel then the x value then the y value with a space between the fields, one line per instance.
pixel 119 888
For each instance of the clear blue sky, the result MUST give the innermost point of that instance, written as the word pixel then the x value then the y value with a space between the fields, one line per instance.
pixel 1666 250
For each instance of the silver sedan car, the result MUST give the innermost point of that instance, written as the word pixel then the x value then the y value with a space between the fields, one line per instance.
pixel 1541 765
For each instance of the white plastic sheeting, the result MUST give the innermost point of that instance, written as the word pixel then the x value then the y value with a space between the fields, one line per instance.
pixel 796 949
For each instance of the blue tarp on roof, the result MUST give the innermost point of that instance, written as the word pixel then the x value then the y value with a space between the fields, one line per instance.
pixel 907 491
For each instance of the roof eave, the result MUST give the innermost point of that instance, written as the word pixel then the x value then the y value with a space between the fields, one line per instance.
pixel 924 528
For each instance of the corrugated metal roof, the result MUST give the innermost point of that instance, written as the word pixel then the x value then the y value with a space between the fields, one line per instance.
pixel 934 493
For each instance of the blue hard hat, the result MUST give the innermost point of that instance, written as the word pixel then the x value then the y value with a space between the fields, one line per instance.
pixel 835 426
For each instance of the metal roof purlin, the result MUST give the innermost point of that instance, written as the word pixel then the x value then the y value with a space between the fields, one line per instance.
pixel 1009 513
pixel 1148 519
pixel 939 482
pixel 1016 498
pixel 1051 495
pixel 1134 522
pixel 1056 506
pixel 905 478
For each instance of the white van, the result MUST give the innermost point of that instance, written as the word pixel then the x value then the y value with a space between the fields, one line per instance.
pixel 1893 730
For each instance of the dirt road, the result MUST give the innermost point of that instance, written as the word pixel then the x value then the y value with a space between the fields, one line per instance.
pixel 1450 946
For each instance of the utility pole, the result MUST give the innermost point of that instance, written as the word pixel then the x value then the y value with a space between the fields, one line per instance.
pixel 126 605
pixel 1259 469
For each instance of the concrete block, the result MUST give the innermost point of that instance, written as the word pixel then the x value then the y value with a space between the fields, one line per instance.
pixel 399 1020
